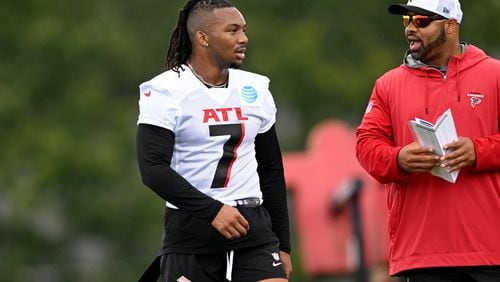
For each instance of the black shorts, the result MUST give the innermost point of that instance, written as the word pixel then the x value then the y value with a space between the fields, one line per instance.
pixel 248 265
pixel 186 234
pixel 454 274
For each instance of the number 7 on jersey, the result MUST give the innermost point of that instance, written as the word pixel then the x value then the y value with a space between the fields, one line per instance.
pixel 236 133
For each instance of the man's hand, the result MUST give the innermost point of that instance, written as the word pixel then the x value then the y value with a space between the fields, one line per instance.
pixel 230 223
pixel 461 153
pixel 415 158
pixel 287 263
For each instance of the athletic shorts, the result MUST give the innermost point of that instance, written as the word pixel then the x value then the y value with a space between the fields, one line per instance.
pixel 454 274
pixel 241 265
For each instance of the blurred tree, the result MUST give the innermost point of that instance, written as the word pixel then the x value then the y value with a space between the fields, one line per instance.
pixel 72 206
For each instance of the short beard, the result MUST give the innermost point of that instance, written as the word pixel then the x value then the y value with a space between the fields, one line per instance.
pixel 234 66
pixel 227 64
pixel 423 55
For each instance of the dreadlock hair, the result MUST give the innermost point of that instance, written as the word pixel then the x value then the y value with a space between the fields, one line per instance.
pixel 179 49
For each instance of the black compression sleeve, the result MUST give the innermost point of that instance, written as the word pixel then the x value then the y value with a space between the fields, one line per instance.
pixel 272 182
pixel 154 147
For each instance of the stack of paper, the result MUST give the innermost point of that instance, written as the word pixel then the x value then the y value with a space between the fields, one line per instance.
pixel 436 136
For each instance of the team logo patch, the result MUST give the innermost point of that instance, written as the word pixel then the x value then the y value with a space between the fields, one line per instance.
pixel 475 99
pixel 183 279
pixel 276 256
pixel 249 94
pixel 369 107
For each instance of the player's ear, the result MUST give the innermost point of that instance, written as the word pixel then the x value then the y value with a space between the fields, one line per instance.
pixel 451 26
pixel 202 38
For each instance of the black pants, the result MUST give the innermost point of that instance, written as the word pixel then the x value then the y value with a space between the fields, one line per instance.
pixel 454 274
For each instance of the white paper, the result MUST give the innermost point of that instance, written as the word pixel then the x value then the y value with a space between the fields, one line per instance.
pixel 436 136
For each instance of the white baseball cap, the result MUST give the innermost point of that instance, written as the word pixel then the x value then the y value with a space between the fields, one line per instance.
pixel 449 9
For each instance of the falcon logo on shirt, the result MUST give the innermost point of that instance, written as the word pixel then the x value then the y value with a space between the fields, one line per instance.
pixel 475 99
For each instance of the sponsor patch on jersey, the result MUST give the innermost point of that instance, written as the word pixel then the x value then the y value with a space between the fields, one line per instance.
pixel 475 99
pixel 249 94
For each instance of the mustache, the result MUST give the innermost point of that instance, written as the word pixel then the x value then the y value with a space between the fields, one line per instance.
pixel 412 36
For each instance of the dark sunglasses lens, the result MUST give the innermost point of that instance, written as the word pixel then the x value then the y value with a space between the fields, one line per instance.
pixel 421 21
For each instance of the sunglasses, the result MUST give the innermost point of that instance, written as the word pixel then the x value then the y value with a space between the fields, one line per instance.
pixel 420 21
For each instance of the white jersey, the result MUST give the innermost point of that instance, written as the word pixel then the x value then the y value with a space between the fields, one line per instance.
pixel 214 128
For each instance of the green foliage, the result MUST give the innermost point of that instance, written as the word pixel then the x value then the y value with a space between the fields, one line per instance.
pixel 72 206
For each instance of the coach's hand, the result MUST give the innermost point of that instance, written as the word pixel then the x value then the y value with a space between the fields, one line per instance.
pixel 415 158
pixel 461 153
pixel 230 223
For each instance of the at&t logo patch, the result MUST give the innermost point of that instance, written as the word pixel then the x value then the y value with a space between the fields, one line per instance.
pixel 249 94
